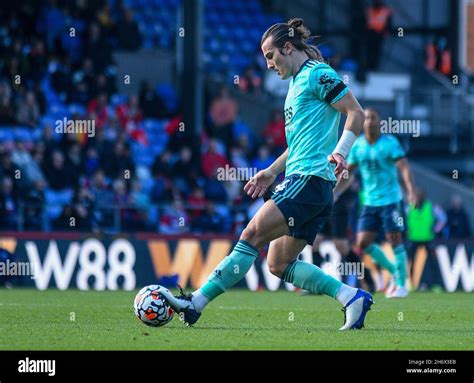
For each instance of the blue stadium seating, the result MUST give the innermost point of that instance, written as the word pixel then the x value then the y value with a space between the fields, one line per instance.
pixel 232 30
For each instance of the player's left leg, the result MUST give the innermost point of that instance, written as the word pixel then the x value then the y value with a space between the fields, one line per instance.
pixel 396 240
pixel 283 262
pixel 394 226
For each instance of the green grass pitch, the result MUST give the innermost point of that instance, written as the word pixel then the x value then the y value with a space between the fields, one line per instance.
pixel 238 320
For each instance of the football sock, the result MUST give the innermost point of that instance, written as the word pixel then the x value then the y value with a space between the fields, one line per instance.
pixel 345 294
pixel 401 264
pixel 379 257
pixel 199 300
pixel 230 270
pixel 310 277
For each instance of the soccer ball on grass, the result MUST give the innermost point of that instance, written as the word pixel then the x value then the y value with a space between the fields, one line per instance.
pixel 151 307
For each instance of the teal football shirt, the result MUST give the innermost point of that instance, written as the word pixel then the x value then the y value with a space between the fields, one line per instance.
pixel 311 124
pixel 377 167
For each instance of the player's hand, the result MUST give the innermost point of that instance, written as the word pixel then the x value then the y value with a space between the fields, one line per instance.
pixel 340 162
pixel 411 197
pixel 259 183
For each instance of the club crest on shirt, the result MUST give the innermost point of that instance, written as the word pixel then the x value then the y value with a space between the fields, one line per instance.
pixel 327 82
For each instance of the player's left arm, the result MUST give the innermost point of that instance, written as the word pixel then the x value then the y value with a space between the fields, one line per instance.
pixel 407 178
pixel 352 128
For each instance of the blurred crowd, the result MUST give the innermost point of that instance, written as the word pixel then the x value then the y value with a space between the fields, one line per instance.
pixel 72 181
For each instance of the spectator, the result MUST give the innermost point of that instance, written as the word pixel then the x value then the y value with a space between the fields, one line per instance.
pixel 67 221
pixel 105 18
pixel 36 173
pixel 210 221
pixel 197 202
pixel 28 166
pixel 34 206
pixel 8 205
pixel 151 103
pixel 379 24
pixel 458 221
pixel 440 227
pixel 74 160
pixel 48 140
pixel 212 160
pixel 250 82
pixel 101 85
pixel 421 221
pixel 264 158
pixel 238 158
pixel 8 169
pixel 138 198
pixel 100 189
pixel 61 77
pixel 141 205
pixel 102 145
pixel 174 219
pixel 38 60
pixel 6 107
pixel 80 95
pixel 185 169
pixel 83 205
pixel 223 114
pixel 444 62
pixel 91 161
pixel 129 114
pixel 97 110
pixel 58 174
pixel 214 189
pixel 129 38
pixel 274 132
pixel 120 164
pixel 163 164
pixel 162 189
pixel 123 201
pixel 274 85
pixel 28 112
pixel 97 48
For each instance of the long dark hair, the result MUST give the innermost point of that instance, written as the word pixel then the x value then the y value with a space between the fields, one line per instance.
pixel 295 32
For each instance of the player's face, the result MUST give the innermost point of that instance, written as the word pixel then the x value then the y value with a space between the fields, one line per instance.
pixel 275 60
pixel 371 123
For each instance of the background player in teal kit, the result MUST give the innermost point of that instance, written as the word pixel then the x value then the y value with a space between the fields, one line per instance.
pixel 291 218
pixel 378 156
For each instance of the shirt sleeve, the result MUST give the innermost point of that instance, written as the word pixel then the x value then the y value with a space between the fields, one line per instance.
pixel 326 84
pixel 397 151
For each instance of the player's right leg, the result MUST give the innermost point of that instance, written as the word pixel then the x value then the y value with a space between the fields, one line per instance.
pixel 268 224
pixel 365 243
pixel 371 220
pixel 400 290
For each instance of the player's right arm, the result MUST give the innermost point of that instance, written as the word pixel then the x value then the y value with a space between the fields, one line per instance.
pixel 260 182
pixel 279 165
